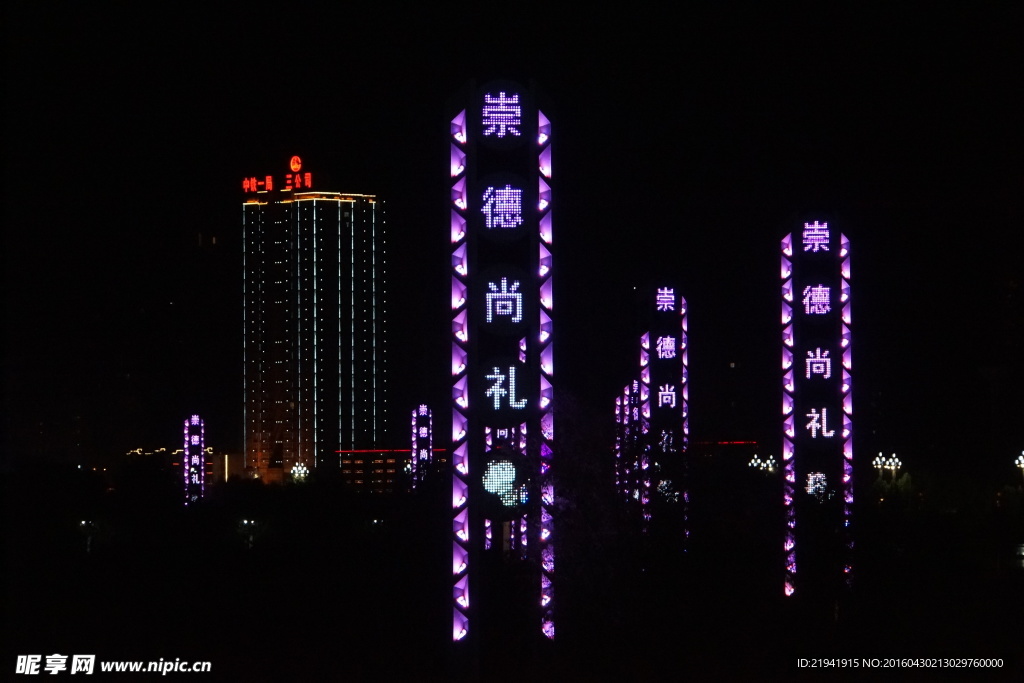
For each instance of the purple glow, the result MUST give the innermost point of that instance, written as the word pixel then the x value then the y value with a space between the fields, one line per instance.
pixel 545 228
pixel 458 161
pixel 459 197
pixel 460 558
pixel 544 195
pixel 461 592
pixel 545 162
pixel 460 459
pixel 546 298
pixel 543 128
pixel 458 294
pixel 459 261
pixel 460 392
pixel 458 128
pixel 458 228
pixel 460 490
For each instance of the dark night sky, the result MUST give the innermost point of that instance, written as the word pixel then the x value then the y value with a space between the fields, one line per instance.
pixel 685 143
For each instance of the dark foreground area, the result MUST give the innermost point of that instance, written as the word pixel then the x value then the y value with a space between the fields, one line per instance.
pixel 338 587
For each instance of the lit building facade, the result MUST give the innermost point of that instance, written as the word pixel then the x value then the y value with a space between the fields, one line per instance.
pixel 314 322
pixel 817 409
pixel 502 365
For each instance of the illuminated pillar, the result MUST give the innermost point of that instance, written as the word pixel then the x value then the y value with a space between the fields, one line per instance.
pixel 421 458
pixel 652 414
pixel 664 367
pixel 502 359
pixel 193 463
pixel 817 408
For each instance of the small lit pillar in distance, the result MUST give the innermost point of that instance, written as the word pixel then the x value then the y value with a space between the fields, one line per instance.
pixel 817 408
pixel 421 458
pixel 664 371
pixel 193 463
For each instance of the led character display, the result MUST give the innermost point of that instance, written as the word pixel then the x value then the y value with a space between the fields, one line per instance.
pixel 501 115
pixel 819 422
pixel 504 301
pixel 666 347
pixel 502 207
pixel 667 395
pixel 816 300
pixel 818 363
pixel 665 299
pixel 815 237
pixel 497 390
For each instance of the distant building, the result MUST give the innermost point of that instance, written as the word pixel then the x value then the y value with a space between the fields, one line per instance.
pixel 314 322
pixel 376 471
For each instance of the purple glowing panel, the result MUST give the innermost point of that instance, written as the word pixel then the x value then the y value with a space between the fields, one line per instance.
pixel 504 301
pixel 503 207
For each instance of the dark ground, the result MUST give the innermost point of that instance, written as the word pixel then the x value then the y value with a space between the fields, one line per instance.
pixel 326 593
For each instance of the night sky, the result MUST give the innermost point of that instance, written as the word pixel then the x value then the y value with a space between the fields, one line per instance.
pixel 686 144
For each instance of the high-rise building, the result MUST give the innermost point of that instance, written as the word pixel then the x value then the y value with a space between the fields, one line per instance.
pixel 314 322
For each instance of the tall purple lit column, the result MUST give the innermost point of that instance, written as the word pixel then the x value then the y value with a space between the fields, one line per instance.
pixel 817 409
pixel 193 462
pixel 502 360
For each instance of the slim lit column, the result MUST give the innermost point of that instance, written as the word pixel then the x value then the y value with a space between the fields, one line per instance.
pixel 817 408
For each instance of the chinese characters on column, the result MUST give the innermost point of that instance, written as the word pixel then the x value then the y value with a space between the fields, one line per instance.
pixel 503 207
pixel 497 391
pixel 501 115
pixel 504 302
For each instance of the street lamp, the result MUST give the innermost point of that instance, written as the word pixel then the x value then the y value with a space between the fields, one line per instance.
pixel 893 464
pixel 768 465
pixel 1019 462
pixel 879 463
